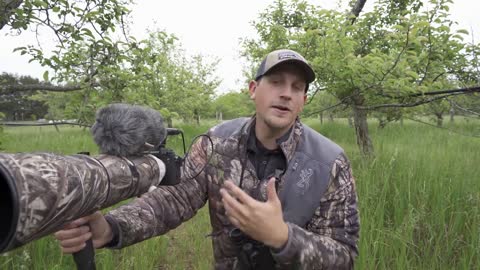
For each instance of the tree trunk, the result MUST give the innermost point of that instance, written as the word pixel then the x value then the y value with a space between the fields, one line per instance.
pixel 356 9
pixel 321 117
pixel 439 120
pixel 330 117
pixel 452 114
pixel 382 122
pixel 196 116
pixel 361 127
pixel 350 121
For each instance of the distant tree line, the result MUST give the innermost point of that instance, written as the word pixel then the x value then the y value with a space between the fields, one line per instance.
pixel 20 106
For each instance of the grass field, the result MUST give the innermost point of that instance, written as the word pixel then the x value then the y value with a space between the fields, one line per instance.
pixel 419 201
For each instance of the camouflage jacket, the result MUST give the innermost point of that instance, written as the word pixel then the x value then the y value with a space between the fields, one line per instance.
pixel 327 241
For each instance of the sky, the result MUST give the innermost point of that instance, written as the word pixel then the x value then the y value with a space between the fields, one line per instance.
pixel 212 28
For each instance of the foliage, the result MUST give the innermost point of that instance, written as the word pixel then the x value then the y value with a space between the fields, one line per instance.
pixel 468 105
pixel 84 44
pixel 110 66
pixel 234 104
pixel 437 109
pixel 20 105
pixel 160 75
pixel 379 61
pixel 324 103
pixel 154 72
pixel 88 22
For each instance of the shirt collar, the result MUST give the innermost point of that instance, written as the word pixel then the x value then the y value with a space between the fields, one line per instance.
pixel 286 142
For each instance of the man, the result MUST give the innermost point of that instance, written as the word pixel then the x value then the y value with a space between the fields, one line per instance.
pixel 281 196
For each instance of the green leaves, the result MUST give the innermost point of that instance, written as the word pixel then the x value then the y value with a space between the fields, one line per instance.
pixel 45 76
pixel 395 48
pixel 398 49
pixel 73 24
pixel 234 104
pixel 90 55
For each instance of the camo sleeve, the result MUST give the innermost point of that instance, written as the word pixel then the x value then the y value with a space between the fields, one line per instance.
pixel 330 238
pixel 165 208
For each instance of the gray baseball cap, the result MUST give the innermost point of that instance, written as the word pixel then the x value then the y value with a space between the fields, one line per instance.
pixel 278 57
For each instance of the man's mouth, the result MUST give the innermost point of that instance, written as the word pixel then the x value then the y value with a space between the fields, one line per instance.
pixel 281 108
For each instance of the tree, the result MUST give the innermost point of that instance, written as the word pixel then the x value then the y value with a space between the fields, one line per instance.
pixel 391 57
pixel 437 109
pixel 160 75
pixel 101 66
pixel 467 105
pixel 20 105
pixel 324 104
pixel 87 22
pixel 84 47
pixel 234 104
pixel 154 72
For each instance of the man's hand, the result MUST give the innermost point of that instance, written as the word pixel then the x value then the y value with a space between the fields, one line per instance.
pixel 73 236
pixel 263 221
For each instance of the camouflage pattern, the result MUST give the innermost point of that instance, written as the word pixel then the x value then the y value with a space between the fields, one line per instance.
pixel 328 241
pixel 49 190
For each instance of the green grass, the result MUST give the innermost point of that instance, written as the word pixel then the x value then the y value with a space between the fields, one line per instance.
pixel 419 201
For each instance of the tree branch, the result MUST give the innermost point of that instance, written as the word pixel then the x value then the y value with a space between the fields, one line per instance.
pixel 356 9
pixel 407 105
pixel 433 93
pixel 12 124
pixel 397 60
pixel 317 89
pixel 462 108
pixel 342 101
pixel 325 109
pixel 466 90
pixel 7 8
pixel 8 89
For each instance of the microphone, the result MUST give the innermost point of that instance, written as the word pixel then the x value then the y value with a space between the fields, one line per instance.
pixel 123 130
pixel 126 130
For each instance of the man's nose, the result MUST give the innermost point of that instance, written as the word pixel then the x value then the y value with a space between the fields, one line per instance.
pixel 286 92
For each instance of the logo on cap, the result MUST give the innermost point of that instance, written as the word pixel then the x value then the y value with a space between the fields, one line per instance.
pixel 286 55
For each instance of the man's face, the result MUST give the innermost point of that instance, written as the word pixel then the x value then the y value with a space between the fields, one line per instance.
pixel 279 97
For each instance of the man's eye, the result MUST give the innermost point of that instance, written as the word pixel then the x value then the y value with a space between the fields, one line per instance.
pixel 298 87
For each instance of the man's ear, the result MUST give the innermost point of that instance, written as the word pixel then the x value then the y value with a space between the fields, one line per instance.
pixel 252 87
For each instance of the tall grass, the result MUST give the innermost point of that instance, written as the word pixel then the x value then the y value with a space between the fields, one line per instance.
pixel 419 197
pixel 419 201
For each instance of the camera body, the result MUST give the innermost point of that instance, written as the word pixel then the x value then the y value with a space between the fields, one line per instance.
pixel 173 162
pixel 173 165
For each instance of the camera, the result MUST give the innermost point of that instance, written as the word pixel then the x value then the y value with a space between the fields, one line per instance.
pixel 173 165
pixel 173 162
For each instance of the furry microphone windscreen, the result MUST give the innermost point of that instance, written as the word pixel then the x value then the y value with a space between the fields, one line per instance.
pixel 125 130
